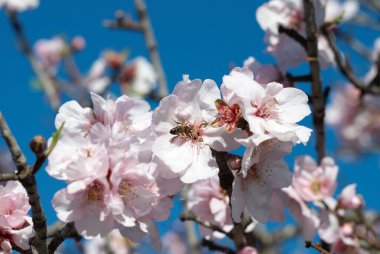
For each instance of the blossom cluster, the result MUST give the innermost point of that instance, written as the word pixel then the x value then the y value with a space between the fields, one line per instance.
pixel 16 226
pixel 317 183
pixel 113 184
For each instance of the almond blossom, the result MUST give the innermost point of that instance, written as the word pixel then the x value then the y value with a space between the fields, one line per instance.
pixel 307 219
pixel 113 181
pixel 183 125
pixel 19 5
pixel 207 200
pixel 290 14
pixel 271 110
pixel 16 227
pixel 248 250
pixel 266 73
pixel 263 171
pixel 313 182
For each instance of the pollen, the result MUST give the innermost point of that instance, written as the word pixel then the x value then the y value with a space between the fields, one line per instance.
pixel 268 109
pixel 95 192
pixel 127 191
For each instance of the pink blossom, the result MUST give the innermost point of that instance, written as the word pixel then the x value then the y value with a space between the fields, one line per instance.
pixel 182 123
pixel 347 243
pixel 288 197
pixel 290 14
pixel 248 250
pixel 16 226
pixel 19 5
pixel 313 182
pixel 210 202
pixel 266 73
pixel 50 52
pixel 271 110
pixel 263 171
pixel 114 242
pixel 84 202
pixel 349 199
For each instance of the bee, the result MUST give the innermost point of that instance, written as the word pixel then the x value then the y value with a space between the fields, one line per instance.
pixel 184 131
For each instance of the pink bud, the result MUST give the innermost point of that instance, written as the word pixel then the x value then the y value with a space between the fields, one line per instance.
pixel 78 43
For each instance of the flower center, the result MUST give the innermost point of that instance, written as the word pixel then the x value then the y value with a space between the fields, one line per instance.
pixel 127 191
pixel 229 116
pixel 268 108
pixel 95 192
pixel 316 187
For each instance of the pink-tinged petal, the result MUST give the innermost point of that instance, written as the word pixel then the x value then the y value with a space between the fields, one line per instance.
pixel 177 155
pixel 220 140
pixel 237 199
pixel 293 103
pixel 163 119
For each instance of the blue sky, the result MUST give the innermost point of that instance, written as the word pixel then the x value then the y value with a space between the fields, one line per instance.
pixel 200 38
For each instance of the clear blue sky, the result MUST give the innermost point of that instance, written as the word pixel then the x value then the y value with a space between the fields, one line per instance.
pixel 198 37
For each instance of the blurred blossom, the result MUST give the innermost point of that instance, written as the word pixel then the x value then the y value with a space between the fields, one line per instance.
pixel 248 250
pixel 207 200
pixel 50 52
pixel 97 80
pixel 19 5
pixel 114 243
pixel 349 199
pixel 357 122
pixel 173 244
pixel 315 182
pixel 138 77
pixel 290 14
pixel 347 9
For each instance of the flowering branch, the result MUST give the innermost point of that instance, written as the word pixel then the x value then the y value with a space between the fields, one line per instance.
pixel 143 25
pixel 46 81
pixel 27 179
pixel 318 99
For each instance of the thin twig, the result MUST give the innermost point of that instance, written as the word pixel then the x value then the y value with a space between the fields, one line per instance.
pixel 215 247
pixel 46 81
pixel 143 25
pixel 317 92
pixel 8 177
pixel 316 247
pixel 294 35
pixel 206 224
pixel 301 78
pixel 65 232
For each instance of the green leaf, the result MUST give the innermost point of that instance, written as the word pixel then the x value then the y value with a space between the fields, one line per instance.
pixel 54 140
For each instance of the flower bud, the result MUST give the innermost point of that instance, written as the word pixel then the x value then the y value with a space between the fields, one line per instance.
pixel 234 162
pixel 38 145
pixel 78 43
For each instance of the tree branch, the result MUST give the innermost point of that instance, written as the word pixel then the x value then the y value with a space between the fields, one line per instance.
pixel 317 92
pixel 206 224
pixel 46 81
pixel 316 247
pixel 67 231
pixel 143 25
pixel 28 181
pixel 345 68
pixel 294 35
pixel 215 247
